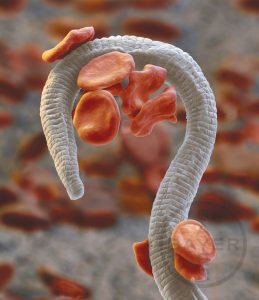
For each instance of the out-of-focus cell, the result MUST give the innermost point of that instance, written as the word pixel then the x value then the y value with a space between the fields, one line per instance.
pixel 220 208
pixel 251 109
pixel 11 91
pixel 152 4
pixel 192 241
pixel 251 132
pixel 8 196
pixel 24 221
pixel 247 6
pixel 161 108
pixel 254 224
pixel 71 41
pixel 105 71
pixel 8 295
pixel 141 252
pixel 60 27
pixel 133 196
pixel 230 137
pixel 141 85
pixel 94 6
pixel 11 7
pixel 61 286
pixel 32 148
pixel 6 119
pixel 97 117
pixel 154 174
pixel 151 28
pixel 189 271
pixel 138 149
pixel 58 2
pixel 236 72
pixel 6 274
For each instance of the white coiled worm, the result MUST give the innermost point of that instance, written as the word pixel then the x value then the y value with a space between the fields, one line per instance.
pixel 180 184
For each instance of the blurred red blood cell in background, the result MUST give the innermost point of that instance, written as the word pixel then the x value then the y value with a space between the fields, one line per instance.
pixel 10 7
pixel 72 40
pixel 141 85
pixel 6 273
pixel 58 2
pixel 138 149
pixel 254 224
pixel 161 108
pixel 153 175
pixel 60 27
pixel 151 28
pixel 6 119
pixel 62 286
pixel 97 117
pixel 94 6
pixel 247 6
pixel 251 132
pixel 219 207
pixel 152 4
pixel 7 196
pixel 105 71
pixel 230 137
pixel 11 91
pixel 32 148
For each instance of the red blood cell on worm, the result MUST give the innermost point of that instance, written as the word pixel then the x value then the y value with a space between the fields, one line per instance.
pixel 6 273
pixel 192 241
pixel 61 286
pixel 97 117
pixel 141 252
pixel 6 119
pixel 71 41
pixel 189 271
pixel 105 71
pixel 8 7
pixel 161 108
pixel 151 28
pixel 141 85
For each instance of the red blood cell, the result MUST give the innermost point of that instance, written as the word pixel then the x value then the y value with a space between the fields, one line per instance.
pixel 58 2
pixel 254 224
pixel 212 175
pixel 220 208
pixel 189 271
pixel 152 4
pixel 8 7
pixel 6 274
pixel 71 41
pixel 11 91
pixel 97 118
pixel 61 286
pixel 192 241
pixel 251 109
pixel 6 119
pixel 32 148
pixel 99 219
pixel 230 137
pixel 247 6
pixel 60 27
pixel 24 221
pixel 139 149
pixel 154 174
pixel 93 6
pixel 105 71
pixel 7 196
pixel 151 28
pixel 141 85
pixel 141 252
pixel 161 108
pixel 251 132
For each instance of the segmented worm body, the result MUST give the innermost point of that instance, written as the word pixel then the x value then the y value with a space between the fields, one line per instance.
pixel 180 184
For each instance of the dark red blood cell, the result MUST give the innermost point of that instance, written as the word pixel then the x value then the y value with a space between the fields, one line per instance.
pixel 230 137
pixel 181 115
pixel 154 174
pixel 212 175
pixel 152 4
pixel 7 196
pixel 220 208
pixel 148 150
pixel 8 7
pixel 11 91
pixel 151 28
pixel 189 271
pixel 32 148
pixel 161 108
pixel 94 6
pixel 6 274
pixel 192 241
pixel 60 27
pixel 24 221
pixel 247 6
pixel 62 286
pixel 97 117
pixel 72 40
pixel 254 224
pixel 6 119
pixel 141 252
pixel 105 71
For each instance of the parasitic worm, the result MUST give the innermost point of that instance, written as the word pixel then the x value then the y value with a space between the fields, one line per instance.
pixel 181 181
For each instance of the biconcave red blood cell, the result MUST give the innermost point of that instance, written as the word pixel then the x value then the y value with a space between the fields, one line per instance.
pixel 32 148
pixel 6 119
pixel 61 286
pixel 6 273
pixel 10 7
pixel 97 117
pixel 105 71
pixel 151 28
pixel 192 241
pixel 141 252
pixel 71 41
pixel 161 108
